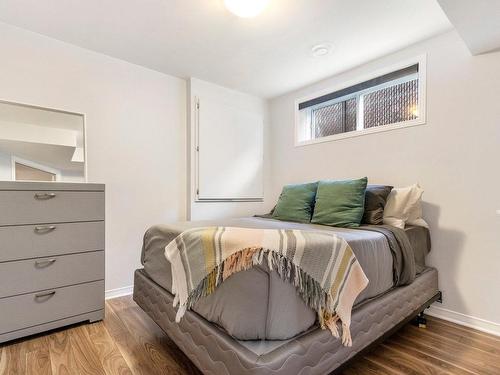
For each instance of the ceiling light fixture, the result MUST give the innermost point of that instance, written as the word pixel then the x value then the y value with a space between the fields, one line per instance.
pixel 321 50
pixel 246 8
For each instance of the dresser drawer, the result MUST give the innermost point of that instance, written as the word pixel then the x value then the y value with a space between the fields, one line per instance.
pixel 27 276
pixel 28 310
pixel 33 207
pixel 33 241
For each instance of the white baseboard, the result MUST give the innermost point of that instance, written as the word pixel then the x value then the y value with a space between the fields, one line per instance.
pixel 119 292
pixel 465 320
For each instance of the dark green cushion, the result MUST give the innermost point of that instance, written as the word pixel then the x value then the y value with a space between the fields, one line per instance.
pixel 296 203
pixel 340 203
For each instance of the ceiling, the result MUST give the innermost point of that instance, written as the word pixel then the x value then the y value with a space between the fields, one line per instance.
pixel 24 114
pixel 267 55
pixel 478 23
pixel 53 156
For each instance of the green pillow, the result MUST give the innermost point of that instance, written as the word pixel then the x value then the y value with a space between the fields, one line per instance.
pixel 296 203
pixel 340 203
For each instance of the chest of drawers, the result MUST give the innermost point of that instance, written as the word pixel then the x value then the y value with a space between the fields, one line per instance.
pixel 51 256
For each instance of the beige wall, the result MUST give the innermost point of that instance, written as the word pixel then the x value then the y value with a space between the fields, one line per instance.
pixel 135 123
pixel 455 157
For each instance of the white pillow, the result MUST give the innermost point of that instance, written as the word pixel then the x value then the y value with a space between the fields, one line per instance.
pixel 404 206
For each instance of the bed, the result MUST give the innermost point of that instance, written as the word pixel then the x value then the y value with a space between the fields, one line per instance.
pixel 255 323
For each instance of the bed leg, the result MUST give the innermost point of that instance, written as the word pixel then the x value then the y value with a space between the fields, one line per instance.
pixel 420 320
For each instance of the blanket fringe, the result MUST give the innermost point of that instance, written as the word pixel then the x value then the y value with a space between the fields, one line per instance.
pixel 309 289
pixel 330 321
pixel 240 261
pixel 346 335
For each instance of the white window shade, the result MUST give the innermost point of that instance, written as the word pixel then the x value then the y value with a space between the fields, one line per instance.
pixel 229 157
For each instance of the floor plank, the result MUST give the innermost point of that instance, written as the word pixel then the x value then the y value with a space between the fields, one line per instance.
pixel 37 356
pixel 487 337
pixel 85 352
pixel 12 362
pixel 436 362
pixel 38 362
pixel 162 342
pixel 110 357
pixel 146 338
pixel 476 339
pixel 464 357
pixel 364 366
pixel 128 342
pixel 62 356
pixel 135 355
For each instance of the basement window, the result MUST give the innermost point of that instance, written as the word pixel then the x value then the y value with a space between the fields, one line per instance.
pixel 388 100
pixel 27 173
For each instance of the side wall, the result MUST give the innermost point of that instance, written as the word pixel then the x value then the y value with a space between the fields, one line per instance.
pixel 454 157
pixel 135 124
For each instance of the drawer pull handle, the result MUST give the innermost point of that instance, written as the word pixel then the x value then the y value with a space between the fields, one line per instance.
pixel 44 263
pixel 45 229
pixel 45 196
pixel 46 294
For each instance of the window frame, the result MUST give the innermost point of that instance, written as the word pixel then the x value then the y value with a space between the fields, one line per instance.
pixel 300 132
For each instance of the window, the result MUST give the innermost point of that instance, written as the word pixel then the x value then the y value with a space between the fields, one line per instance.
pixel 27 173
pixel 386 101
pixel 27 170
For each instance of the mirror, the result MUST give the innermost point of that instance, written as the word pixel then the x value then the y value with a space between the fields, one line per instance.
pixel 40 144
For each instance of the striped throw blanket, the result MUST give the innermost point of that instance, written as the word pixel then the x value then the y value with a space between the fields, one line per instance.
pixel 321 265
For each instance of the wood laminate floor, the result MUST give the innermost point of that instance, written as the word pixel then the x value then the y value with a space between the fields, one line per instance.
pixel 129 342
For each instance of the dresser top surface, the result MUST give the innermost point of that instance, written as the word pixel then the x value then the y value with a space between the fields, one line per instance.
pixel 50 186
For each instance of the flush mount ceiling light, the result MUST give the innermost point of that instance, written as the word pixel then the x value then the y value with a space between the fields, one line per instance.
pixel 321 49
pixel 246 8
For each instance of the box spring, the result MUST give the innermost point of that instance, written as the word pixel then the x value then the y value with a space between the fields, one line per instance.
pixel 213 351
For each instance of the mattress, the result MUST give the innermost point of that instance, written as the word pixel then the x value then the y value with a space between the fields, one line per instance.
pixel 315 351
pixel 265 306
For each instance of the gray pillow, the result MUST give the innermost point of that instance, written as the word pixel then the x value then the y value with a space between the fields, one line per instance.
pixel 375 200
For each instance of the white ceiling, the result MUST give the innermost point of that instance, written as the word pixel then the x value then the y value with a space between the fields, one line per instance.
pixel 54 156
pixel 25 114
pixel 478 23
pixel 267 55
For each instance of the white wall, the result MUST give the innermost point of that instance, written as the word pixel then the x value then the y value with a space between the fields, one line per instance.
pixel 72 176
pixel 213 210
pixel 135 123
pixel 455 157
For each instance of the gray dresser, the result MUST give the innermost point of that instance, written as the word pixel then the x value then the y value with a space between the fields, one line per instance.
pixel 51 256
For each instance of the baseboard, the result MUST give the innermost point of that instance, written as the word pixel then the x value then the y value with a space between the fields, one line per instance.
pixel 465 320
pixel 119 292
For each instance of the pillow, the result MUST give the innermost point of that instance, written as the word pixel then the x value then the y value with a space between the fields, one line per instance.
pixel 404 206
pixel 296 203
pixel 340 203
pixel 375 200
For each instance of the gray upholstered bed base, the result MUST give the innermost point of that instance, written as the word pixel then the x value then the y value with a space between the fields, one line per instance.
pixel 315 352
